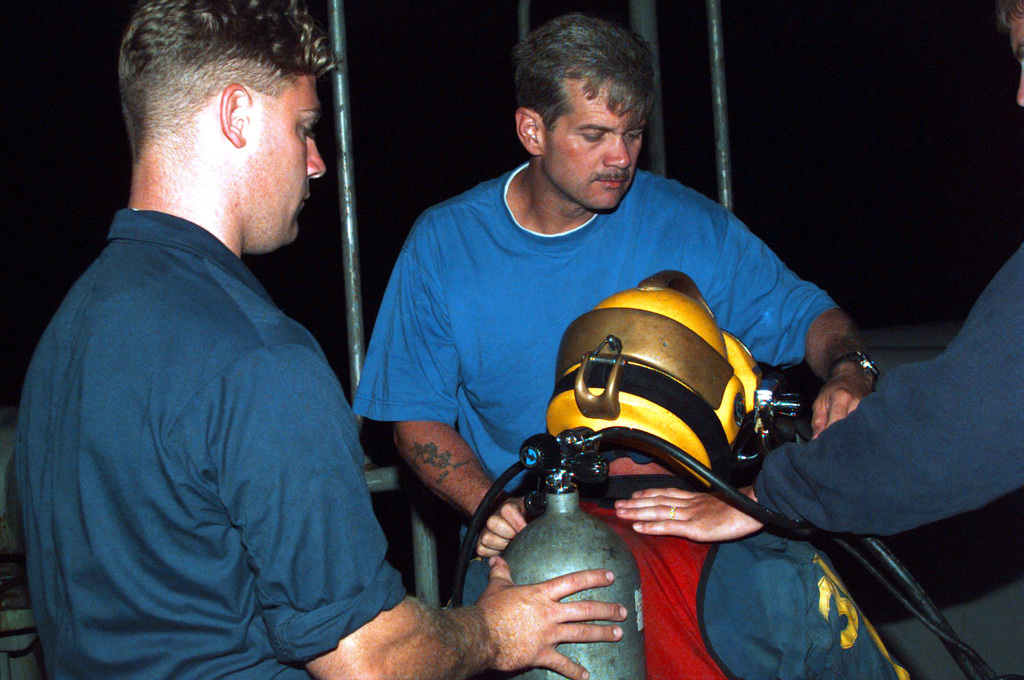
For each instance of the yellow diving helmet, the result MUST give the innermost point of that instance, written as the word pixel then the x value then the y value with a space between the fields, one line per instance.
pixel 653 358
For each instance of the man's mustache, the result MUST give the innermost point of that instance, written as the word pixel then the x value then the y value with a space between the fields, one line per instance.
pixel 612 177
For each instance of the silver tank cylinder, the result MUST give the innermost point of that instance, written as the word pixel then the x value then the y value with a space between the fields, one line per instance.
pixel 566 539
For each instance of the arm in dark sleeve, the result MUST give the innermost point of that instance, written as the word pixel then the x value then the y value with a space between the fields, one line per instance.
pixel 938 438
pixel 287 466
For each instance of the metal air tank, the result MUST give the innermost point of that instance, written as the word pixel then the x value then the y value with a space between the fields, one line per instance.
pixel 565 539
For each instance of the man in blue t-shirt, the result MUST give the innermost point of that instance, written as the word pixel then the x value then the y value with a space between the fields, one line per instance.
pixel 189 472
pixel 463 353
pixel 462 357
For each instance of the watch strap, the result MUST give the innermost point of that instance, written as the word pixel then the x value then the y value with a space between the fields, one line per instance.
pixel 858 357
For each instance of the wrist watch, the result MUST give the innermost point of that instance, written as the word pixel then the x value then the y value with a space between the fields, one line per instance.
pixel 859 358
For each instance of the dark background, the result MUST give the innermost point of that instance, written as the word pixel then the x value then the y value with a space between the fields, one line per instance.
pixel 876 147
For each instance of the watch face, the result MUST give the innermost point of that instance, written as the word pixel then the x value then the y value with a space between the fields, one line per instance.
pixel 868 365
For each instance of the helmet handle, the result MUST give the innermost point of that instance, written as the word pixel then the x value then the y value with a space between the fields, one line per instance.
pixel 604 406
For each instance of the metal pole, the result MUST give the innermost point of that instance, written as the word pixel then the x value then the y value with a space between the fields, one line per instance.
pixel 424 559
pixel 716 52
pixel 347 197
pixel 643 17
pixel 524 18
pixel 424 544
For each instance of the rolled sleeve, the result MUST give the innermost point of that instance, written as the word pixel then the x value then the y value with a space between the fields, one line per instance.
pixel 305 636
pixel 284 459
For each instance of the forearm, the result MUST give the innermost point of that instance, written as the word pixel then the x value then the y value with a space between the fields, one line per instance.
pixel 445 463
pixel 832 334
pixel 412 641
pixel 856 480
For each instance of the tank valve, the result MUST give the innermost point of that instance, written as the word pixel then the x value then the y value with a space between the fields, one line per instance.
pixel 572 455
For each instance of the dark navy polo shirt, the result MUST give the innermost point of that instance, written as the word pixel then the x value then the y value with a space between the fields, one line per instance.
pixel 190 473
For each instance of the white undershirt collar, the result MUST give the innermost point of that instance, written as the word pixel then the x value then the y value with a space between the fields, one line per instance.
pixel 536 233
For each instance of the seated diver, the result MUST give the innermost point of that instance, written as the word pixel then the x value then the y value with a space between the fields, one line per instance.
pixel 765 607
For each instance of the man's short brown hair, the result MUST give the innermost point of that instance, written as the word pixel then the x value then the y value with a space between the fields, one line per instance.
pixel 176 54
pixel 604 57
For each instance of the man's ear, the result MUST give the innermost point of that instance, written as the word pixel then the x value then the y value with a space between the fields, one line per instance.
pixel 530 130
pixel 236 109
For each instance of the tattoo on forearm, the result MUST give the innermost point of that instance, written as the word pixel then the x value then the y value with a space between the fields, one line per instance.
pixel 428 454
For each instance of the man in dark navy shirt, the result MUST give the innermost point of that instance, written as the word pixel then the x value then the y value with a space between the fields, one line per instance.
pixel 191 477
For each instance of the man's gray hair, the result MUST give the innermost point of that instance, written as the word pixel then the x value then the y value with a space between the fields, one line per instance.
pixel 1008 11
pixel 606 58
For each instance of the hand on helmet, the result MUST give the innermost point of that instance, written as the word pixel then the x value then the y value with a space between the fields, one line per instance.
pixel 698 516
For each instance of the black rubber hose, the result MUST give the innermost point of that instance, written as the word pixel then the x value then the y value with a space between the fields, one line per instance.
pixel 902 575
pixel 483 511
